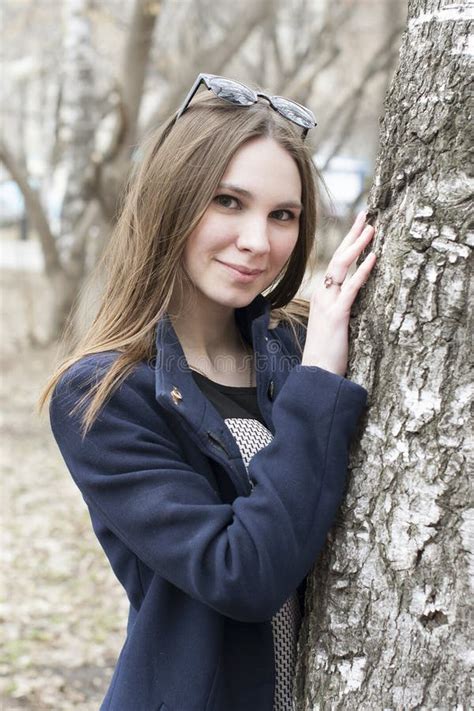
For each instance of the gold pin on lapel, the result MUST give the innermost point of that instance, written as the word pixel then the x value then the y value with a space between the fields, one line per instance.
pixel 176 395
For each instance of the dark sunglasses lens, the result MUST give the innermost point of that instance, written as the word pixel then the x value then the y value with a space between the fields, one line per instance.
pixel 294 112
pixel 232 91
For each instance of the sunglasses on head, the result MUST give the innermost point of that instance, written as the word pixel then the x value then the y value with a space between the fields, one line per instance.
pixel 240 95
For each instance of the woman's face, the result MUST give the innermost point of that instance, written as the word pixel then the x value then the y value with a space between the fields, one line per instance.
pixel 252 223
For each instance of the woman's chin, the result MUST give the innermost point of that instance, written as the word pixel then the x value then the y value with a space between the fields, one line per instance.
pixel 234 300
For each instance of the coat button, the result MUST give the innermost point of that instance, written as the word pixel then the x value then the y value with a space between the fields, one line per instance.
pixel 176 395
pixel 271 389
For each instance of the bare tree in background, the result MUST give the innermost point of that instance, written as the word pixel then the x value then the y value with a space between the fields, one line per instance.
pixel 78 118
pixel 388 606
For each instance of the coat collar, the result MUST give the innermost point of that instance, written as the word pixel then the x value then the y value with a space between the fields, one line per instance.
pixel 175 387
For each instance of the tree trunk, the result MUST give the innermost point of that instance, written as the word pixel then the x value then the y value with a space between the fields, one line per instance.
pixel 78 126
pixel 386 623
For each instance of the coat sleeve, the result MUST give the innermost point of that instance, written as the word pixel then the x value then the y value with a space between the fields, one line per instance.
pixel 243 559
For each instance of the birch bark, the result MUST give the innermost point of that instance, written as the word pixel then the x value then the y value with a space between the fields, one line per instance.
pixel 388 605
pixel 65 257
pixel 78 120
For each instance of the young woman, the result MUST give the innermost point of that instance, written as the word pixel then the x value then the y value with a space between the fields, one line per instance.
pixel 207 424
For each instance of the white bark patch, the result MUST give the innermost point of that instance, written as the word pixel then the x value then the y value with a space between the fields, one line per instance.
pixel 431 273
pixel 411 269
pixel 455 11
pixel 375 431
pixel 395 450
pixel 408 697
pixel 453 298
pixel 456 187
pixel 464 46
pixel 411 524
pixel 420 230
pixel 466 530
pixel 427 308
pixel 352 673
pixel 427 601
pixel 424 211
pixel 409 324
pixel 454 249
pixel 420 405
pixel 447 232
pixel 463 396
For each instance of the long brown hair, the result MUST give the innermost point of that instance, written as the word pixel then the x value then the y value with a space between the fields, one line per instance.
pixel 177 172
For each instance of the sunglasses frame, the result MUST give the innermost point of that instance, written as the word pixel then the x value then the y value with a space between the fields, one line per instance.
pixel 204 78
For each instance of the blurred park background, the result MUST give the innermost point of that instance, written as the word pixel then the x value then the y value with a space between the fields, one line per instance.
pixel 82 81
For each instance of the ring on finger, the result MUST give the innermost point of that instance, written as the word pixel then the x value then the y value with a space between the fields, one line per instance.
pixel 330 281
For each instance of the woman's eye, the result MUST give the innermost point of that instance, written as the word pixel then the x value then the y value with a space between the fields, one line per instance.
pixel 225 200
pixel 232 203
pixel 284 215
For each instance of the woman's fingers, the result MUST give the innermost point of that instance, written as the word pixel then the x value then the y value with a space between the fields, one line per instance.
pixel 343 258
pixel 352 253
pixel 352 285
pixel 354 232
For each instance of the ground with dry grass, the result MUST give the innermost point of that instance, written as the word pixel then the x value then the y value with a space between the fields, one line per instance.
pixel 63 613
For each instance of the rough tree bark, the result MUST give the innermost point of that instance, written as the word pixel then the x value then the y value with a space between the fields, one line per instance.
pixel 386 623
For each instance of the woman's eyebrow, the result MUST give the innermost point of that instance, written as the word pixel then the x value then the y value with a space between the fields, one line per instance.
pixel 245 193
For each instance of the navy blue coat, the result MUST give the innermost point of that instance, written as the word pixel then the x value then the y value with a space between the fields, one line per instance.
pixel 204 569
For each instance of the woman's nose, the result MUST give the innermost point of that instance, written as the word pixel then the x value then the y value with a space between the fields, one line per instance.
pixel 253 234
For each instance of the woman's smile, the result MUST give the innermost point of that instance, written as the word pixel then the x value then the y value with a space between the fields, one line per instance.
pixel 239 275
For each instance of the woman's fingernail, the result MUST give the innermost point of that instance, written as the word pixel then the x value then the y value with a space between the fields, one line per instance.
pixel 361 216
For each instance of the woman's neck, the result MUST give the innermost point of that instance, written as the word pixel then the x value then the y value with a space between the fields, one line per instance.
pixel 209 332
pixel 212 343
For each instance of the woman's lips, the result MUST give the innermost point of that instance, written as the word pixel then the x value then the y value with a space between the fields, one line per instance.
pixel 240 276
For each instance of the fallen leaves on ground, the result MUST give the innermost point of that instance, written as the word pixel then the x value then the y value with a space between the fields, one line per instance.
pixel 63 613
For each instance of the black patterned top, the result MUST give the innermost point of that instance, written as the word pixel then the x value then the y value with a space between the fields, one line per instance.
pixel 239 408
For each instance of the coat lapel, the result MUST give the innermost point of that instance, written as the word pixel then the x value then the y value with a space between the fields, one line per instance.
pixel 177 391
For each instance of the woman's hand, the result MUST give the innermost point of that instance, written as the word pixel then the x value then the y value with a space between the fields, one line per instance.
pixel 327 343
